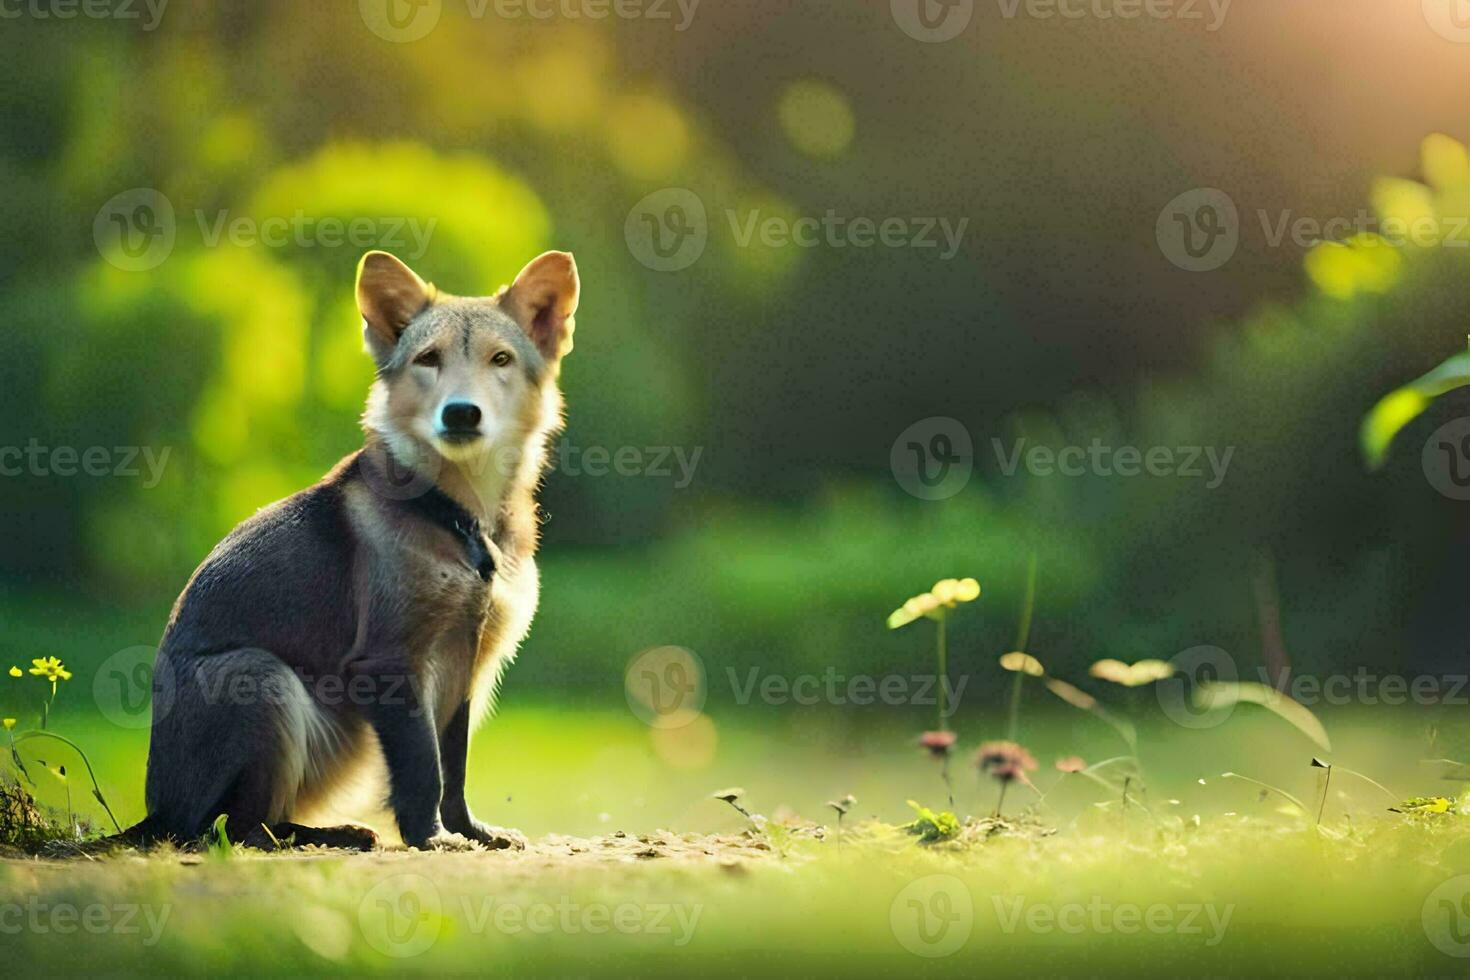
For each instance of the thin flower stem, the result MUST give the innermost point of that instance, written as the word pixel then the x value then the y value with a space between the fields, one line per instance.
pixel 1266 786
pixel 1015 712
pixel 96 789
pixel 943 678
pixel 1367 779
pixel 1023 639
pixel 1099 780
pixel 1108 762
pixel 1023 634
pixel 1041 796
pixel 1322 808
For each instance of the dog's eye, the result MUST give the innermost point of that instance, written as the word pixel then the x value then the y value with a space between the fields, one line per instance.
pixel 429 358
pixel 502 358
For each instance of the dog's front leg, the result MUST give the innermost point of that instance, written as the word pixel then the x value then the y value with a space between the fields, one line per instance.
pixel 405 729
pixel 454 747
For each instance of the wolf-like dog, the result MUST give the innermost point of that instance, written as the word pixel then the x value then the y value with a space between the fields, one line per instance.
pixel 365 622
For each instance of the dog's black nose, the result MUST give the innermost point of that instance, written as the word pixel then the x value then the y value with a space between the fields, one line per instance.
pixel 461 418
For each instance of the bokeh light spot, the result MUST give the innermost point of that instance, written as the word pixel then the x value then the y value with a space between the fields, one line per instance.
pixel 689 747
pixel 817 118
pixel 647 136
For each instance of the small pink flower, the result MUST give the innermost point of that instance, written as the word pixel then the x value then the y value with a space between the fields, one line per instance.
pixel 938 743
pixel 1004 761
pixel 1072 763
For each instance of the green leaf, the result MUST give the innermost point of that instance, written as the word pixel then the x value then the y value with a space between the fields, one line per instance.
pixel 1226 694
pixel 931 826
pixel 20 765
pixel 219 843
pixel 1398 408
pixel 1424 804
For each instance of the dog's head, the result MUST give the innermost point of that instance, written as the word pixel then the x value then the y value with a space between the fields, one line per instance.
pixel 472 380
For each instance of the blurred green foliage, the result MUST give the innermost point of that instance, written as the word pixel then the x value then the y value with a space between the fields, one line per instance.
pixel 793 541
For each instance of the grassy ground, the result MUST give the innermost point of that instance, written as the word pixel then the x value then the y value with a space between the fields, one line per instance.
pixel 1250 887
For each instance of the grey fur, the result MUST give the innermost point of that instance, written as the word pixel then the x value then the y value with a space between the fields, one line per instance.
pixel 339 630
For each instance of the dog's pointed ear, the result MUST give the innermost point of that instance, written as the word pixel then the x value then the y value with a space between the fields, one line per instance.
pixel 543 300
pixel 389 296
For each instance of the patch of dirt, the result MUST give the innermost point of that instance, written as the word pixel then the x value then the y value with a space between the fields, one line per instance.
pixel 737 852
pixel 662 845
pixel 554 850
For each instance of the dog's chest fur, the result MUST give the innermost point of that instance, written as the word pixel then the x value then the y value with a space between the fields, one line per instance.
pixel 459 630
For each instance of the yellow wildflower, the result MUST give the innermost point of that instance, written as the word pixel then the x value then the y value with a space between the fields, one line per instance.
pixel 1132 675
pixel 946 594
pixel 1022 663
pixel 50 668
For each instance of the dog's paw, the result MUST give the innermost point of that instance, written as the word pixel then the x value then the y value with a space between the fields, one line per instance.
pixel 446 841
pixel 496 838
pixel 348 837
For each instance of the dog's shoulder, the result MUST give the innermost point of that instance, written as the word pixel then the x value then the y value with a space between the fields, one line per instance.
pixel 281 580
